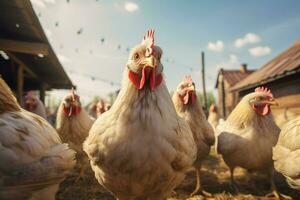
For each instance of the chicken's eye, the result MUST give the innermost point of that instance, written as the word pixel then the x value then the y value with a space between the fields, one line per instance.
pixel 258 98
pixel 136 56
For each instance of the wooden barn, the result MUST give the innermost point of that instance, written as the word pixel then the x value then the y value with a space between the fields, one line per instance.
pixel 27 61
pixel 225 81
pixel 282 76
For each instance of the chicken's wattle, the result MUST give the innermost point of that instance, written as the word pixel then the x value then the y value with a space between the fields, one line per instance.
pixel 262 110
pixel 190 96
pixel 30 106
pixel 72 110
pixel 148 77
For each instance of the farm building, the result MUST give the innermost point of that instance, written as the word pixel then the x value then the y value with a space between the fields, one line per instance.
pixel 225 81
pixel 27 61
pixel 282 76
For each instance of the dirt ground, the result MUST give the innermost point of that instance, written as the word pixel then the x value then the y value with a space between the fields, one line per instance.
pixel 215 179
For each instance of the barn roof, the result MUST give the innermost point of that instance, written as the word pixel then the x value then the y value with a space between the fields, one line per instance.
pixel 285 64
pixel 23 39
pixel 233 76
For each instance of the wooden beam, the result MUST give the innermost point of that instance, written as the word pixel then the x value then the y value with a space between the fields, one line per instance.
pixel 20 83
pixel 20 62
pixel 223 94
pixel 24 47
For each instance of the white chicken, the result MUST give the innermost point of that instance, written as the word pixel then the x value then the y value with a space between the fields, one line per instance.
pixel 73 125
pixel 246 138
pixel 284 117
pixel 189 108
pixel 33 160
pixel 35 105
pixel 213 116
pixel 286 153
pixel 140 148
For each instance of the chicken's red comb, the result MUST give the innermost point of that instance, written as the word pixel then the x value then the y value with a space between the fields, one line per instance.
pixel 188 79
pixel 264 89
pixel 148 41
pixel 29 94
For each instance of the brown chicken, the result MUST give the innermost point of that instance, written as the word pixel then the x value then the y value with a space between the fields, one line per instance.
pixel 286 153
pixel 33 160
pixel 213 116
pixel 92 109
pixel 73 125
pixel 246 138
pixel 189 108
pixel 140 148
pixel 35 105
pixel 102 107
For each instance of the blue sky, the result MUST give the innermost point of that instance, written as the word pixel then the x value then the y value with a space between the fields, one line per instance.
pixel 230 33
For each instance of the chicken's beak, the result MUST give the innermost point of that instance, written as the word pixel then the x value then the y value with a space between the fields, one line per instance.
pixel 273 102
pixel 192 87
pixel 150 62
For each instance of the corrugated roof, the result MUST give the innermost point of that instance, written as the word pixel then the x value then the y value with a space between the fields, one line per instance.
pixel 19 22
pixel 286 63
pixel 234 76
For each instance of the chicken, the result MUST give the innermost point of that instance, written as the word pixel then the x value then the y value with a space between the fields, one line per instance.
pixel 286 153
pixel 284 117
pixel 92 109
pixel 213 116
pixel 246 138
pixel 35 105
pixel 140 148
pixel 101 107
pixel 73 125
pixel 189 108
pixel 33 158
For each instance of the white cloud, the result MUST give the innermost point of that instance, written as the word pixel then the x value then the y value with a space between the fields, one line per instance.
pixel 63 58
pixel 131 7
pixel 231 63
pixel 50 1
pixel 249 38
pixel 218 46
pixel 260 51
pixel 42 3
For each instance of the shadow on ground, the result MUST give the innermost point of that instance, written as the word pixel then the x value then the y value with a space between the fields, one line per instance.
pixel 215 179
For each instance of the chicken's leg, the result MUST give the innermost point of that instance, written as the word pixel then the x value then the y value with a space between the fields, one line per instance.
pixel 81 172
pixel 274 191
pixel 233 183
pixel 199 188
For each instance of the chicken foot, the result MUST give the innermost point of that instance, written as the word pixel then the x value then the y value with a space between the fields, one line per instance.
pixel 274 191
pixel 199 189
pixel 81 173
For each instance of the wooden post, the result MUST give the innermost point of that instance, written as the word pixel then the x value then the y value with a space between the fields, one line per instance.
pixel 42 93
pixel 203 82
pixel 223 95
pixel 20 83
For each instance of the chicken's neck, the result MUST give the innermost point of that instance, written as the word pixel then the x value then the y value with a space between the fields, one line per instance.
pixel 145 105
pixel 193 109
pixel 8 102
